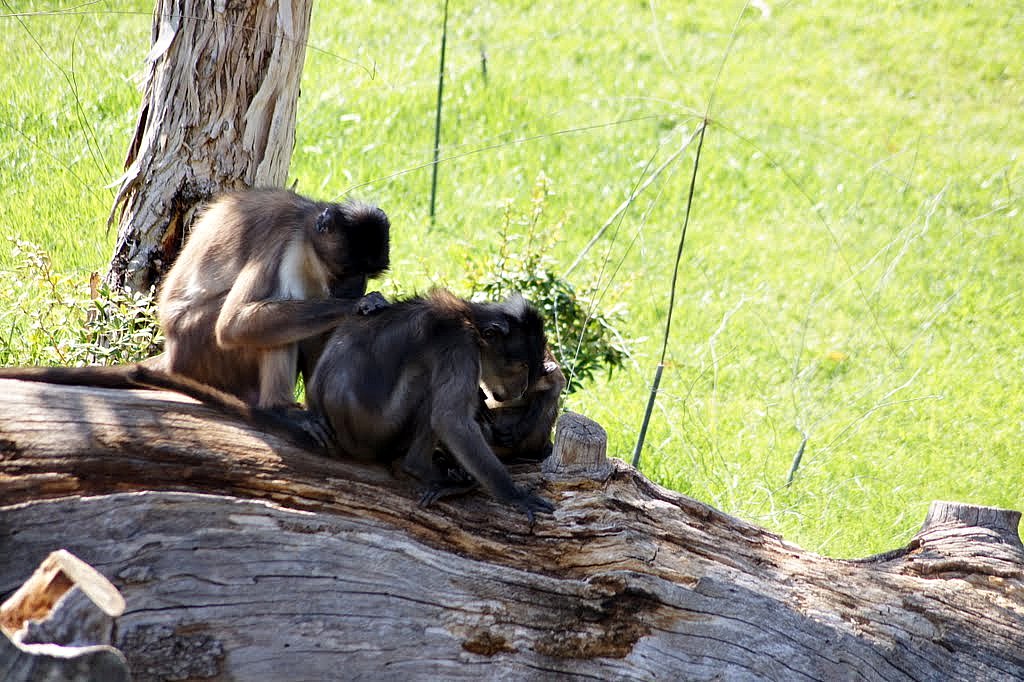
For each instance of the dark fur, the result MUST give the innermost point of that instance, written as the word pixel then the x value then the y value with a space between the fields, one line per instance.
pixel 262 271
pixel 400 382
pixel 521 428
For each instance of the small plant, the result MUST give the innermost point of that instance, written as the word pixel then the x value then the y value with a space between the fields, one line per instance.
pixel 52 319
pixel 583 337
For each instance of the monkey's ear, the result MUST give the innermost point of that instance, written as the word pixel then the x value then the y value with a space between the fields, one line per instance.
pixel 325 221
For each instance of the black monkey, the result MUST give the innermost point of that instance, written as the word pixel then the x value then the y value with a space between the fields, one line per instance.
pixel 402 381
pixel 521 428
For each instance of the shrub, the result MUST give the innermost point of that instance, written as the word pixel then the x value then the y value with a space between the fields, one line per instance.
pixel 583 337
pixel 55 319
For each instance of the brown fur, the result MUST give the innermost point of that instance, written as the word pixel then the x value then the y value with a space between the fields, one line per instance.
pixel 262 271
pixel 258 275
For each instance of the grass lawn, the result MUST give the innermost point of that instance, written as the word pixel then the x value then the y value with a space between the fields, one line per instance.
pixel 852 275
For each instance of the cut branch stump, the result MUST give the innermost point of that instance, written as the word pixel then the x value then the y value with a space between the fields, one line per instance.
pixel 59 625
pixel 580 450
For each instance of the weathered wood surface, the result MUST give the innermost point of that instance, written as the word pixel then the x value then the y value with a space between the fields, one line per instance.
pixel 240 557
pixel 217 113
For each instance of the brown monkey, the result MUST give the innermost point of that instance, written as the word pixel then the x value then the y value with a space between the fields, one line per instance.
pixel 407 378
pixel 521 428
pixel 262 271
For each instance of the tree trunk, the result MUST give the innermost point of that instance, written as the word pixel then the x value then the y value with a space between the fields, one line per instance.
pixel 241 557
pixel 218 113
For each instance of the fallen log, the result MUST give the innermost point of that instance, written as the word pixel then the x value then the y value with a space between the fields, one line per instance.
pixel 242 557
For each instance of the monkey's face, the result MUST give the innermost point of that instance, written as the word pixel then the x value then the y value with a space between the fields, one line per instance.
pixel 503 380
pixel 512 350
pixel 354 242
pixel 352 286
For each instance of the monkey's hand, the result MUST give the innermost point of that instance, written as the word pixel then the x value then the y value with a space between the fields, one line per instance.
pixel 532 503
pixel 371 303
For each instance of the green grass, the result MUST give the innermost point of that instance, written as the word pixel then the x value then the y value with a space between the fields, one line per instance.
pixel 853 265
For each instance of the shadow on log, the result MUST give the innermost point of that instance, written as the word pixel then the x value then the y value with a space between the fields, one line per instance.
pixel 241 557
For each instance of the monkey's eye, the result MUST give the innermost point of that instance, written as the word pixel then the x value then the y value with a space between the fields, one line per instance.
pixel 490 334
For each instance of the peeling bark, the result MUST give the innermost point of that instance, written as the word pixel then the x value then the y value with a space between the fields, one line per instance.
pixel 218 113
pixel 241 557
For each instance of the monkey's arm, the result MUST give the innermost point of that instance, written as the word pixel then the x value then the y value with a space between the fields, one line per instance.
pixel 452 420
pixel 310 349
pixel 267 324
pixel 465 442
pixel 262 312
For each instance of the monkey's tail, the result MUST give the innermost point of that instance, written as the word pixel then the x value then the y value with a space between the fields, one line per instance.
pixel 111 376
pixel 141 376
pixel 299 426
